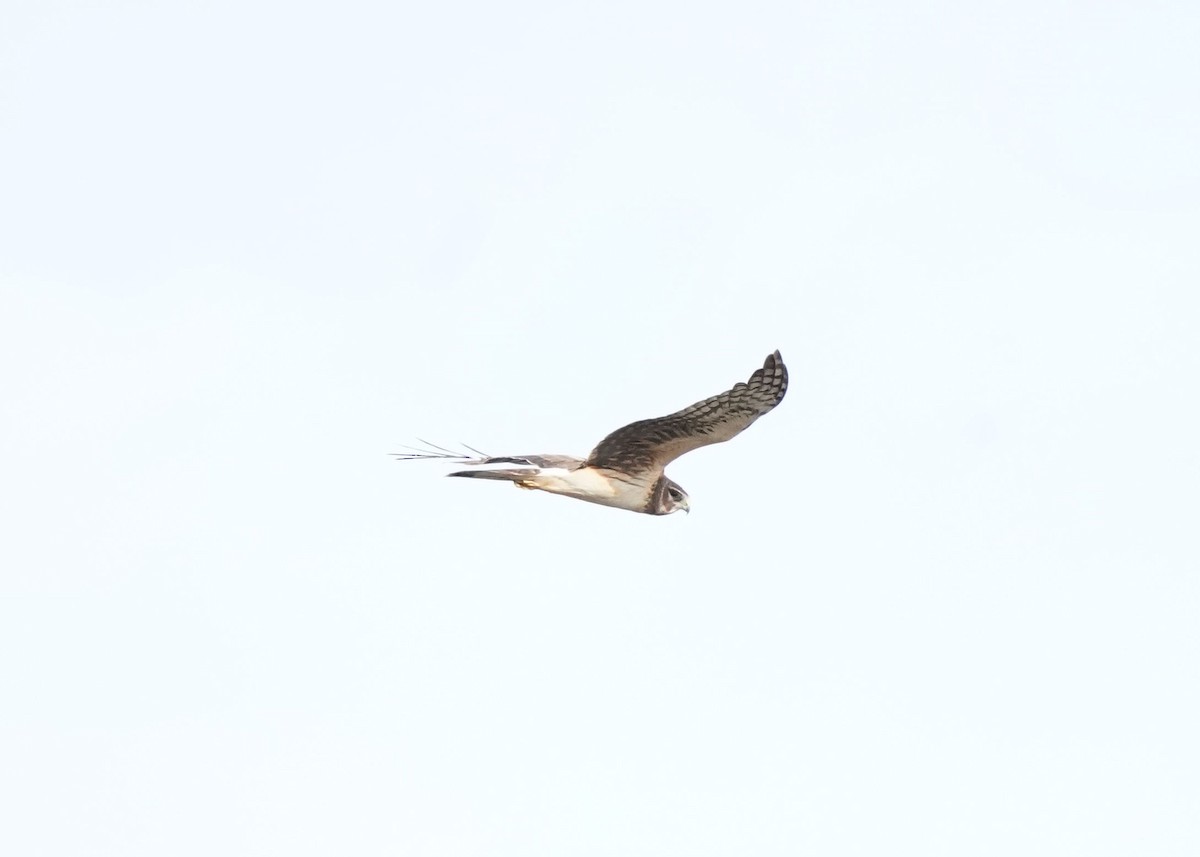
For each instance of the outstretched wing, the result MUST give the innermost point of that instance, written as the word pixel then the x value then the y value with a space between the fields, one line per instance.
pixel 480 459
pixel 650 445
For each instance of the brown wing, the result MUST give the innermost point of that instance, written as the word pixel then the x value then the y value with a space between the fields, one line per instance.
pixel 653 444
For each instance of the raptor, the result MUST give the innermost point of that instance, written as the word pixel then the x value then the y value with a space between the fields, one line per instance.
pixel 625 469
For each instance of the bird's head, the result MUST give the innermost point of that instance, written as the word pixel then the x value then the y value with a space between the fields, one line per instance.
pixel 670 498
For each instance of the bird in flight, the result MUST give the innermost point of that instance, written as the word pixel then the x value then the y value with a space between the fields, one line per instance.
pixel 625 469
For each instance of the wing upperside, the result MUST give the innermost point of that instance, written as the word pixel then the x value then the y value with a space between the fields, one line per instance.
pixel 654 443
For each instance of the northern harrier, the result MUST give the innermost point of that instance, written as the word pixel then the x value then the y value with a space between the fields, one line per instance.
pixel 625 469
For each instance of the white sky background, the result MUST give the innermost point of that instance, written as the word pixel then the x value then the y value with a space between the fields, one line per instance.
pixel 943 601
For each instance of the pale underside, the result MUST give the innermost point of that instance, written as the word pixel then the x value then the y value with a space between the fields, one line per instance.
pixel 595 485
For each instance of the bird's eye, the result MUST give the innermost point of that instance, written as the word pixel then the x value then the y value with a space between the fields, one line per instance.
pixel 675 495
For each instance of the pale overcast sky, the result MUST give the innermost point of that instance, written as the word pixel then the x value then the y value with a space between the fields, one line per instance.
pixel 943 601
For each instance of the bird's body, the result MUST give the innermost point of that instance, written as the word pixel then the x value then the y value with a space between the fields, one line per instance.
pixel 625 470
pixel 580 481
pixel 588 483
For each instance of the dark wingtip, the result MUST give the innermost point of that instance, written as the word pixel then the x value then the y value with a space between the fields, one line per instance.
pixel 775 362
